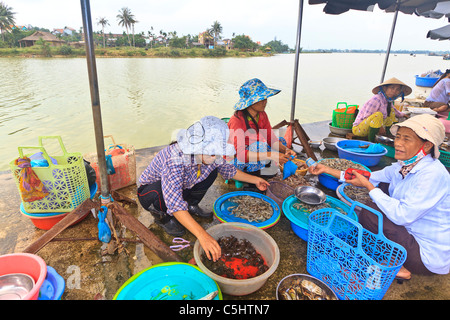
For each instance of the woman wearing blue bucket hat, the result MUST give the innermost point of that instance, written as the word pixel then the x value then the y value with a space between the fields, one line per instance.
pixel 251 133
pixel 176 180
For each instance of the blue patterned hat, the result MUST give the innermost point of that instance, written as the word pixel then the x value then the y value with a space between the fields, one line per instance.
pixel 251 92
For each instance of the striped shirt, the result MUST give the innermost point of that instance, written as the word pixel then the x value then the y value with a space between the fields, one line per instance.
pixel 378 103
pixel 178 172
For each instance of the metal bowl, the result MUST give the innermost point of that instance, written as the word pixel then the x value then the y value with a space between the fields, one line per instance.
pixel 303 287
pixel 315 143
pixel 339 131
pixel 310 195
pixel 330 142
pixel 15 286
pixel 384 140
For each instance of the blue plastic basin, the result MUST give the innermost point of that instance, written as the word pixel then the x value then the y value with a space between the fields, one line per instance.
pixel 425 81
pixel 168 281
pixel 299 219
pixel 331 182
pixel 366 159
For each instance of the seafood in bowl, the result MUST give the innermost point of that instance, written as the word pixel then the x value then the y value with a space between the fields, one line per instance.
pixel 251 208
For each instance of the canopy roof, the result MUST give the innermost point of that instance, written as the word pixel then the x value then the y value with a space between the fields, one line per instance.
pixel 406 6
pixel 440 33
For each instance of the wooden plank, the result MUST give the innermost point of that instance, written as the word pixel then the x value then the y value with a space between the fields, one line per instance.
pixel 145 235
pixel 304 140
pixel 67 221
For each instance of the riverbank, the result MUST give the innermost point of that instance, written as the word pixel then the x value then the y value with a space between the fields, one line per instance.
pixel 38 51
pixel 93 272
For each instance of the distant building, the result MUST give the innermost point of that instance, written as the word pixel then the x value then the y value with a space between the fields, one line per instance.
pixel 206 39
pixel 46 36
pixel 66 31
pixel 22 28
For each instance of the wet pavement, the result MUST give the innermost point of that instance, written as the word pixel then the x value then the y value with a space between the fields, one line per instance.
pixel 93 270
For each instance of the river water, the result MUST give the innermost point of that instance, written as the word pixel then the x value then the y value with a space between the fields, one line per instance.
pixel 145 100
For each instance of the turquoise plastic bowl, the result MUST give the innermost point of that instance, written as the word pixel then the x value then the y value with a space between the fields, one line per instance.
pixel 168 281
pixel 300 219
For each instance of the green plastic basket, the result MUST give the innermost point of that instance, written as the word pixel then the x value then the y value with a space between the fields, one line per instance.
pixel 343 119
pixel 445 158
pixel 66 182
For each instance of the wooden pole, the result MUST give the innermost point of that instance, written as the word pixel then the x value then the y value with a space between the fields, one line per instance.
pixel 301 134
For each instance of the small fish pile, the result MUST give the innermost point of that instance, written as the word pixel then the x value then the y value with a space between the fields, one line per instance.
pixel 301 289
pixel 251 209
pixel 358 194
pixel 292 181
pixel 239 259
pixel 308 208
pixel 341 164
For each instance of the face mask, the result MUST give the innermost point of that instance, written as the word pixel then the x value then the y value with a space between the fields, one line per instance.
pixel 402 95
pixel 414 159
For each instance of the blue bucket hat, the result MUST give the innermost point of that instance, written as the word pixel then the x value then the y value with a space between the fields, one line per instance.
pixel 251 92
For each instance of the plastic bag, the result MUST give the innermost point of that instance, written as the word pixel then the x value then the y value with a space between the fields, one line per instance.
pixel 104 233
pixel 289 169
pixel 30 186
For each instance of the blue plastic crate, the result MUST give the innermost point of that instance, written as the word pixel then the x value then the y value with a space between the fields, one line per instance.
pixel 353 262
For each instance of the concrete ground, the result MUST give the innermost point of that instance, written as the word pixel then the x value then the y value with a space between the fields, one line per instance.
pixel 93 270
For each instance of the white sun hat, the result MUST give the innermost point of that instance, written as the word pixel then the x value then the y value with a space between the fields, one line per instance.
pixel 426 127
pixel 208 136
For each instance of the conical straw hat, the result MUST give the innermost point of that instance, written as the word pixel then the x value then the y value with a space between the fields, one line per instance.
pixel 406 89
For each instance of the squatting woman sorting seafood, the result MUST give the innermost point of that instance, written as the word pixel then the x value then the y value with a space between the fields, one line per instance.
pixel 416 205
pixel 174 183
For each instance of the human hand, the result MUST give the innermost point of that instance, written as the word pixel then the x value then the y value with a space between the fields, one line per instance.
pixel 290 152
pixel 210 246
pixel 280 157
pixel 262 184
pixel 360 181
pixel 441 108
pixel 317 169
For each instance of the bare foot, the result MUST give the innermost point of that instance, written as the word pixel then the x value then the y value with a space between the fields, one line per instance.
pixel 403 273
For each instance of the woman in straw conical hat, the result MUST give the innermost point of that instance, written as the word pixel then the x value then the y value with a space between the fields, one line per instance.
pixel 378 113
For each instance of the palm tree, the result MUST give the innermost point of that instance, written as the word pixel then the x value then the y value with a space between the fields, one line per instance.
pixel 132 27
pixel 125 20
pixel 6 18
pixel 216 30
pixel 103 22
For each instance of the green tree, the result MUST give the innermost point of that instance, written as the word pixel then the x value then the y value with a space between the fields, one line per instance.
pixel 103 22
pixel 45 47
pixel 244 42
pixel 216 30
pixel 277 46
pixel 6 18
pixel 126 19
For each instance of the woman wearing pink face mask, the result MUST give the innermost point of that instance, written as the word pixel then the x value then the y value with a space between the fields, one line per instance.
pixel 413 195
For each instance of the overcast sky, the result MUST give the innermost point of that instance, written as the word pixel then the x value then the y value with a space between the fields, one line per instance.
pixel 262 20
